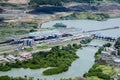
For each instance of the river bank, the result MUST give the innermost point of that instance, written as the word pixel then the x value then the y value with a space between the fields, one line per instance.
pixel 105 66
pixel 77 68
pixel 99 71
pixel 86 11
pixel 87 15
pixel 51 58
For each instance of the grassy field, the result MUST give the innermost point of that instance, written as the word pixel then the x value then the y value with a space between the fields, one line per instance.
pixel 20 28
pixel 93 78
pixel 87 15
pixel 106 69
pixel 103 70
pixel 28 49
pixel 42 47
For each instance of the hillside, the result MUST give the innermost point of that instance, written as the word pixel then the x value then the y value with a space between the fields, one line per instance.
pixel 54 2
pixel 62 2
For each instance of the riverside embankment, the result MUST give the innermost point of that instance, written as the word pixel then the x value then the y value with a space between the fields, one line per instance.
pixel 78 67
pixel 86 60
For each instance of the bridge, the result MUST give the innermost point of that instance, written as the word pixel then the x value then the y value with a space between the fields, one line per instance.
pixel 105 38
pixel 93 45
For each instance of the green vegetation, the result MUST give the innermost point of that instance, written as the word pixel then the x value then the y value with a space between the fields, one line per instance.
pixel 101 72
pixel 67 79
pixel 58 58
pixel 61 68
pixel 42 47
pixel 19 25
pixel 8 5
pixel 86 15
pixel 16 78
pixel 9 29
pixel 119 52
pixel 32 30
pixel 99 52
pixel 28 49
pixel 107 45
pixel 117 43
pixel 93 78
pixel 59 25
pixel 85 41
pixel 25 78
pixel 4 68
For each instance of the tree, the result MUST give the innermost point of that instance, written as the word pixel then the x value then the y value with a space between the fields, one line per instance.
pixel 107 45
pixel 5 55
pixel 25 76
pixel 69 46
pixel 76 46
pixel 56 48
pixel 59 25
pixel 117 43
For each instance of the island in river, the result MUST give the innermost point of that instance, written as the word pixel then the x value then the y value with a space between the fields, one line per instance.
pixel 58 59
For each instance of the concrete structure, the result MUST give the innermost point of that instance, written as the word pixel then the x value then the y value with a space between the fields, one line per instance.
pixel 28 42
pixel 111 50
pixel 48 35
pixel 26 55
pixel 11 58
pixel 105 54
pixel 3 60
pixel 103 37
pixel 118 75
pixel 117 61
pixel 45 34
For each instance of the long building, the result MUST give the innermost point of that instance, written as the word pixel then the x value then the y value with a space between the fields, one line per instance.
pixel 45 35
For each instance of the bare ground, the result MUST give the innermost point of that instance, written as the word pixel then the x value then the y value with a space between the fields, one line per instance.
pixel 16 1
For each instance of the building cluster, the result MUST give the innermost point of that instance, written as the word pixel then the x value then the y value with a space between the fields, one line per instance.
pixel 39 36
pixel 28 42
pixel 81 36
pixel 111 57
pixel 10 58
pixel 68 39
pixel 111 54
pixel 47 35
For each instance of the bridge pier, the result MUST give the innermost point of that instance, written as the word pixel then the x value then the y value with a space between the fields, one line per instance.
pixel 105 38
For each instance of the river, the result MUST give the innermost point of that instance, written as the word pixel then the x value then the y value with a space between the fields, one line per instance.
pixel 86 60
pixel 86 25
pixel 77 69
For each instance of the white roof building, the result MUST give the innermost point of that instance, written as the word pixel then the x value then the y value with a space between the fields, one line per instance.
pixel 45 33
